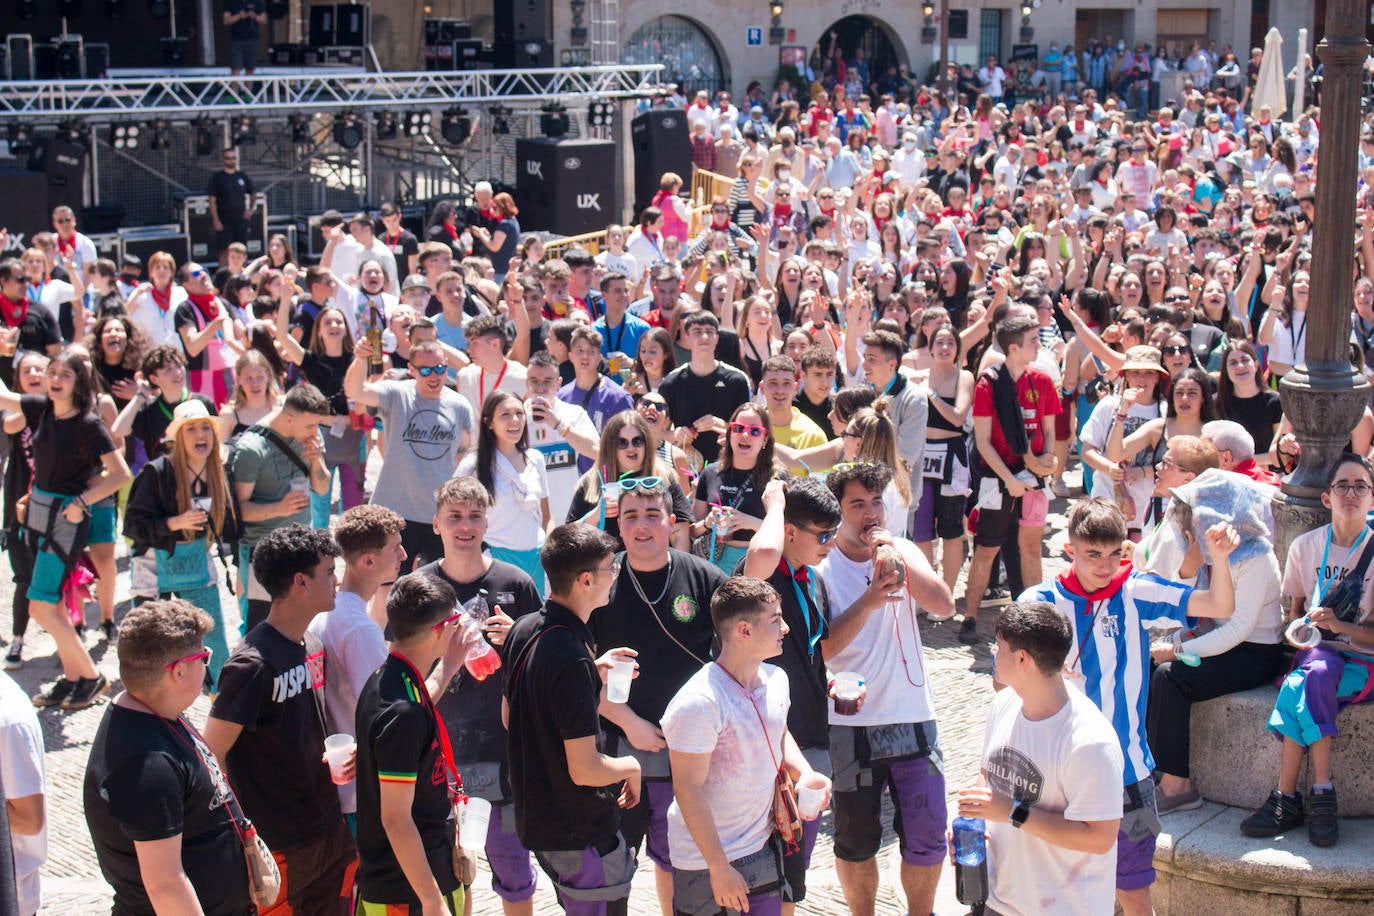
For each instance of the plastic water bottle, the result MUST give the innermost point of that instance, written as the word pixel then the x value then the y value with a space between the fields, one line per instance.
pixel 481 659
pixel 970 860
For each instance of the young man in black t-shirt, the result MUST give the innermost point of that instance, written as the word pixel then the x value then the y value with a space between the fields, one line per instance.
pixel 405 767
pixel 567 791
pixel 660 607
pixel 800 519
pixel 267 725
pixel 703 393
pixel 471 709
pixel 155 799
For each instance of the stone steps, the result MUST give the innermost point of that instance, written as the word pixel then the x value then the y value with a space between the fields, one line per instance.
pixel 1206 866
pixel 1235 759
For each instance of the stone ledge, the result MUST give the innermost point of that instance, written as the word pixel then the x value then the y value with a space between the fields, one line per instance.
pixel 1206 865
pixel 1235 759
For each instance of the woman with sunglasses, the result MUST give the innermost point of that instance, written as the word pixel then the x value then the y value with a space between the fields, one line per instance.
pixel 76 464
pixel 514 475
pixel 324 365
pixel 627 453
pixel 729 494
pixel 654 360
pixel 180 507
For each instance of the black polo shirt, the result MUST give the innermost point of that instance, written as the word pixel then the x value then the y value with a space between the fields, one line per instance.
pixel 554 691
pixel 673 647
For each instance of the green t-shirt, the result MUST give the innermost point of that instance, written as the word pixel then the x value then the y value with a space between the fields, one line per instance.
pixel 261 462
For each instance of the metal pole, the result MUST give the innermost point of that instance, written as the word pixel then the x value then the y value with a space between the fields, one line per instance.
pixel 206 12
pixel 942 74
pixel 1300 84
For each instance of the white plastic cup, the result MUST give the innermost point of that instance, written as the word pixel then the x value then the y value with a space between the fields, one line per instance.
pixel 849 688
pixel 1302 634
pixel 300 485
pixel 474 816
pixel 337 749
pixel 611 491
pixel 810 794
pixel 202 504
pixel 618 680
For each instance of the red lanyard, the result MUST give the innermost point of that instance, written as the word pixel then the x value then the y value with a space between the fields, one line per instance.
pixel 482 381
pixel 455 782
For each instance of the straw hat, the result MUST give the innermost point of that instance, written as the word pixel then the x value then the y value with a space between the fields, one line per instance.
pixel 187 411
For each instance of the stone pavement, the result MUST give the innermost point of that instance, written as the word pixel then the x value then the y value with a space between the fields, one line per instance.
pixel 73 886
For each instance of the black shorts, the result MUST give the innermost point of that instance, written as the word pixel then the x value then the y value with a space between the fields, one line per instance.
pixel 232 232
pixel 991 527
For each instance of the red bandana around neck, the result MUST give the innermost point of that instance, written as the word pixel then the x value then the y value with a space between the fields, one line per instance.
pixel 208 304
pixel 64 245
pixel 452 231
pixel 1069 580
pixel 14 312
pixel 163 297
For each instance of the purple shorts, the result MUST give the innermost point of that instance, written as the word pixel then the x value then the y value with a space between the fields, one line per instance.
pixel 1135 839
pixel 917 786
pixel 594 881
pixel 512 872
pixel 648 820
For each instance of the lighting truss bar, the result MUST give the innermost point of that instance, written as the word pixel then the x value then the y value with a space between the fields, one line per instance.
pixel 318 92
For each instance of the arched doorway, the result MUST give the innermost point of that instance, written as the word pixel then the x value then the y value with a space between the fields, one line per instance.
pixel 685 50
pixel 860 40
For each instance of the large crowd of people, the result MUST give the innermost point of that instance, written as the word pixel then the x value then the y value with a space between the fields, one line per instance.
pixel 742 456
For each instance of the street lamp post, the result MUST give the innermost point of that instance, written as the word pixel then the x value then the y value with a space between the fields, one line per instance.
pixel 1325 399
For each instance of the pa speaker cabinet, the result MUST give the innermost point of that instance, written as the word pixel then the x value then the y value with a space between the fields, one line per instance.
pixel 520 21
pixel 566 186
pixel 322 25
pixel 19 54
pixel 26 206
pixel 199 228
pixel 661 144
pixel 64 161
pixel 147 241
pixel 352 24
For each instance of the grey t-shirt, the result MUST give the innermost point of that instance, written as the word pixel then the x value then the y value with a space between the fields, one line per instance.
pixel 422 440
pixel 261 462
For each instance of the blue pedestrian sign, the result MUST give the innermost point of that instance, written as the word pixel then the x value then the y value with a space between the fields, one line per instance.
pixel 753 36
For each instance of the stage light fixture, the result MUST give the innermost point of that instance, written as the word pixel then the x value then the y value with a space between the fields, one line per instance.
pixel 386 125
pixel 455 127
pixel 300 129
pixel 415 123
pixel 157 134
pixel 207 137
pixel 554 120
pixel 159 9
pixel 69 8
pixel 245 131
pixel 601 114
pixel 500 119
pixel 124 136
pixel 348 133
pixel 75 132
pixel 928 9
pixel 20 138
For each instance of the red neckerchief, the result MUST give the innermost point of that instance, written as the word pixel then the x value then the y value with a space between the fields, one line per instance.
pixel 782 212
pixel 66 245
pixel 880 221
pixel 723 226
pixel 1069 579
pixel 452 231
pixel 14 312
pixel 488 214
pixel 802 573
pixel 163 297
pixel 208 304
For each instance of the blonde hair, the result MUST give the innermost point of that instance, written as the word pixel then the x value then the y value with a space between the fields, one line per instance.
pixel 878 442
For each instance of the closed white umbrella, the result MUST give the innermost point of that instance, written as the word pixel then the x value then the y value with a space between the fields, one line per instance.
pixel 1269 88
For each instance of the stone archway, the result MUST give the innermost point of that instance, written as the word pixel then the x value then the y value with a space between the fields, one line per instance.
pixel 689 52
pixel 878 42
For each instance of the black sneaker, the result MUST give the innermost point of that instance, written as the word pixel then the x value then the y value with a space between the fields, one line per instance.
pixel 87 691
pixel 14 658
pixel 80 630
pixel 1279 814
pixel 55 695
pixel 1322 827
pixel 968 631
pixel 110 630
pixel 995 597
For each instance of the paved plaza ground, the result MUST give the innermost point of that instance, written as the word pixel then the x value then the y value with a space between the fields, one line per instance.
pixel 72 885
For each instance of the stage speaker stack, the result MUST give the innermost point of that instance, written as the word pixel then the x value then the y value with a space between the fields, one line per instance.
pixel 64 163
pixel 321 31
pixel 523 35
pixel 26 205
pixel 19 54
pixel 146 241
pixel 199 228
pixel 566 186
pixel 661 144
pixel 353 25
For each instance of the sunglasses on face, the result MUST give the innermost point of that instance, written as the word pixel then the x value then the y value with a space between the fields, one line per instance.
pixel 740 429
pixel 822 537
pixel 647 484
pixel 197 274
pixel 1177 350
pixel 636 442
pixel 427 371
pixel 450 619
pixel 653 404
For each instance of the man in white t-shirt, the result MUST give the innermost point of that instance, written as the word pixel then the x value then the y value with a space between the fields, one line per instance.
pixel 559 430
pixel 726 730
pixel 991 77
pixel 21 768
pixel 354 646
pixel 1048 777
pixel 875 634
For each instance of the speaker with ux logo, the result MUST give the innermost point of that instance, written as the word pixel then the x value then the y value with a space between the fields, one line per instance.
pixel 566 186
pixel 661 144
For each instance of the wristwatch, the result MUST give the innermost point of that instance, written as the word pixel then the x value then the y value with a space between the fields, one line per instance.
pixel 1019 812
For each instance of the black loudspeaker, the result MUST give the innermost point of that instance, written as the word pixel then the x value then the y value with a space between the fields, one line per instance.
pixel 525 55
pixel 26 206
pixel 45 61
pixel 65 165
pixel 352 25
pixel 149 240
pixel 522 21
pixel 97 60
pixel 20 57
pixel 200 228
pixel 661 144
pixel 566 186
pixel 70 57
pixel 322 24
pixel 469 54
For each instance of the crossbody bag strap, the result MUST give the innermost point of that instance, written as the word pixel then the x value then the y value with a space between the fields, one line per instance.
pixel 271 435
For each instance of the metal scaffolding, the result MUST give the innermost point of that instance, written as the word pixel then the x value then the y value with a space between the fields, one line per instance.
pixel 314 92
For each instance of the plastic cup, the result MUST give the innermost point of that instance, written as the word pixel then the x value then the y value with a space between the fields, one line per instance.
pixel 202 503
pixel 611 491
pixel 618 681
pixel 300 485
pixel 849 689
pixel 810 794
pixel 1302 634
pixel 472 824
pixel 337 749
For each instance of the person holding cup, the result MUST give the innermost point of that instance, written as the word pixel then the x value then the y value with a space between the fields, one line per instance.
pixel 727 737
pixel 180 505
pixel 626 452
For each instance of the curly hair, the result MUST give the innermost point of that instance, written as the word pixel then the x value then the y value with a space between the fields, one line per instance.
pixel 286 552
pixel 155 634
pixel 365 529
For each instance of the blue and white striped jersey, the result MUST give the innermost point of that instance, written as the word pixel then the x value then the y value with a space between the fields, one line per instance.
pixel 1114 658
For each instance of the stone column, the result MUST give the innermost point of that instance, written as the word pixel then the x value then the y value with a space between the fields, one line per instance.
pixel 1325 399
